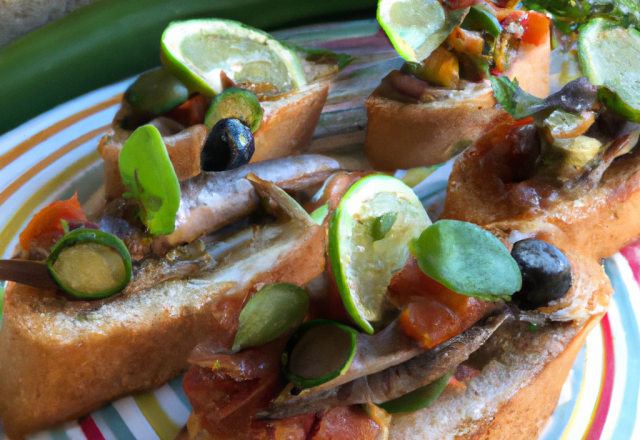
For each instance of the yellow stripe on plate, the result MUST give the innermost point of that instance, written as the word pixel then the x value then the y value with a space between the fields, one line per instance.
pixel 24 212
pixel 155 415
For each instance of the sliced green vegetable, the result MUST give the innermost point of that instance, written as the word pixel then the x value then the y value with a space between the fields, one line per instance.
pixel 148 175
pixel 420 398
pixel 320 214
pixel 468 260
pixel 90 264
pixel 271 312
pixel 318 352
pixel 417 27
pixel 197 51
pixel 236 103
pixel 513 99
pixel 156 92
pixel 480 19
pixel 610 57
pixel 363 266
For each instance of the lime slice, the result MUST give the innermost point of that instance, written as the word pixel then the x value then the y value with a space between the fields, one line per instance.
pixel 610 57
pixel 417 27
pixel 196 51
pixel 366 248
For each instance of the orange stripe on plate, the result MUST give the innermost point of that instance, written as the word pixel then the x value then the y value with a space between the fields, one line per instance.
pixel 45 134
pixel 25 211
pixel 17 184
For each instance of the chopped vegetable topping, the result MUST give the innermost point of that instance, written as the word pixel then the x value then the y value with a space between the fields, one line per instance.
pixel 148 175
pixel 319 351
pixel 270 313
pixel 156 91
pixel 236 103
pixel 88 263
pixel 47 221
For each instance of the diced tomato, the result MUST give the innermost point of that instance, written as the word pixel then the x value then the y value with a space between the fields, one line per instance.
pixel 46 223
pixel 345 423
pixel 293 428
pixel 191 112
pixel 459 4
pixel 536 28
pixel 433 313
pixel 429 322
pixel 227 405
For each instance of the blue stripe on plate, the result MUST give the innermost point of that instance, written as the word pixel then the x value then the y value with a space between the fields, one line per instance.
pixel 115 422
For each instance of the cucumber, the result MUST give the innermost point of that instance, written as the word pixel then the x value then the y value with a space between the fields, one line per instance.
pixel 110 40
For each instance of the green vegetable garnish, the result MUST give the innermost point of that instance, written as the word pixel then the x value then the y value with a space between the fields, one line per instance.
pixel 382 225
pixel 237 103
pixel 420 398
pixel 467 259
pixel 271 312
pixel 513 99
pixel 156 91
pixel 91 264
pixel 568 15
pixel 318 352
pixel 148 175
pixel 480 19
pixel 321 55
pixel 610 57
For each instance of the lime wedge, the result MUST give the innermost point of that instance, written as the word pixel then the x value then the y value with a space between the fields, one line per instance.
pixel 197 51
pixel 366 248
pixel 417 27
pixel 610 57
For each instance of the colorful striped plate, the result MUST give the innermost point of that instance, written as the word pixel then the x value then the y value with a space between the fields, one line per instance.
pixel 55 154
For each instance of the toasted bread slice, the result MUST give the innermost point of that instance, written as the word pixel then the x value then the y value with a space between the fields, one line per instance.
pixel 523 372
pixel 403 134
pixel 286 129
pixel 62 359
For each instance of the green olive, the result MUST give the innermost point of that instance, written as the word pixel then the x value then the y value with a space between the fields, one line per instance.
pixel 156 91
pixel 90 264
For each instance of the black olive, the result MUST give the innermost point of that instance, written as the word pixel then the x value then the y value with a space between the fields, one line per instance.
pixel 229 145
pixel 546 273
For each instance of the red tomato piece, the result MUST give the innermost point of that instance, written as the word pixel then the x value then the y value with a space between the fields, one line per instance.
pixel 47 221
pixel 536 28
pixel 191 112
pixel 345 423
pixel 433 313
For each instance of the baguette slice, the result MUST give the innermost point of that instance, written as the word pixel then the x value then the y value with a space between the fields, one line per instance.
pixel 522 376
pixel 62 359
pixel 287 126
pixel 403 134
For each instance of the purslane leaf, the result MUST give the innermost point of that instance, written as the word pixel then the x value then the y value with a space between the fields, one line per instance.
pixel 467 259
pixel 148 175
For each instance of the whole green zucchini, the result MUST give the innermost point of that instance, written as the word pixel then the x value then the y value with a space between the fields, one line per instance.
pixel 109 40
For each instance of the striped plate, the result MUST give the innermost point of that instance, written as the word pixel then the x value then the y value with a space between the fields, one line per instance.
pixel 55 154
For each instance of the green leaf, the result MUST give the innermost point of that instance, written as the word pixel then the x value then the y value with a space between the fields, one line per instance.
pixel 382 225
pixel 321 55
pixel 467 259
pixel 270 313
pixel 148 175
pixel 420 398
pixel 513 99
